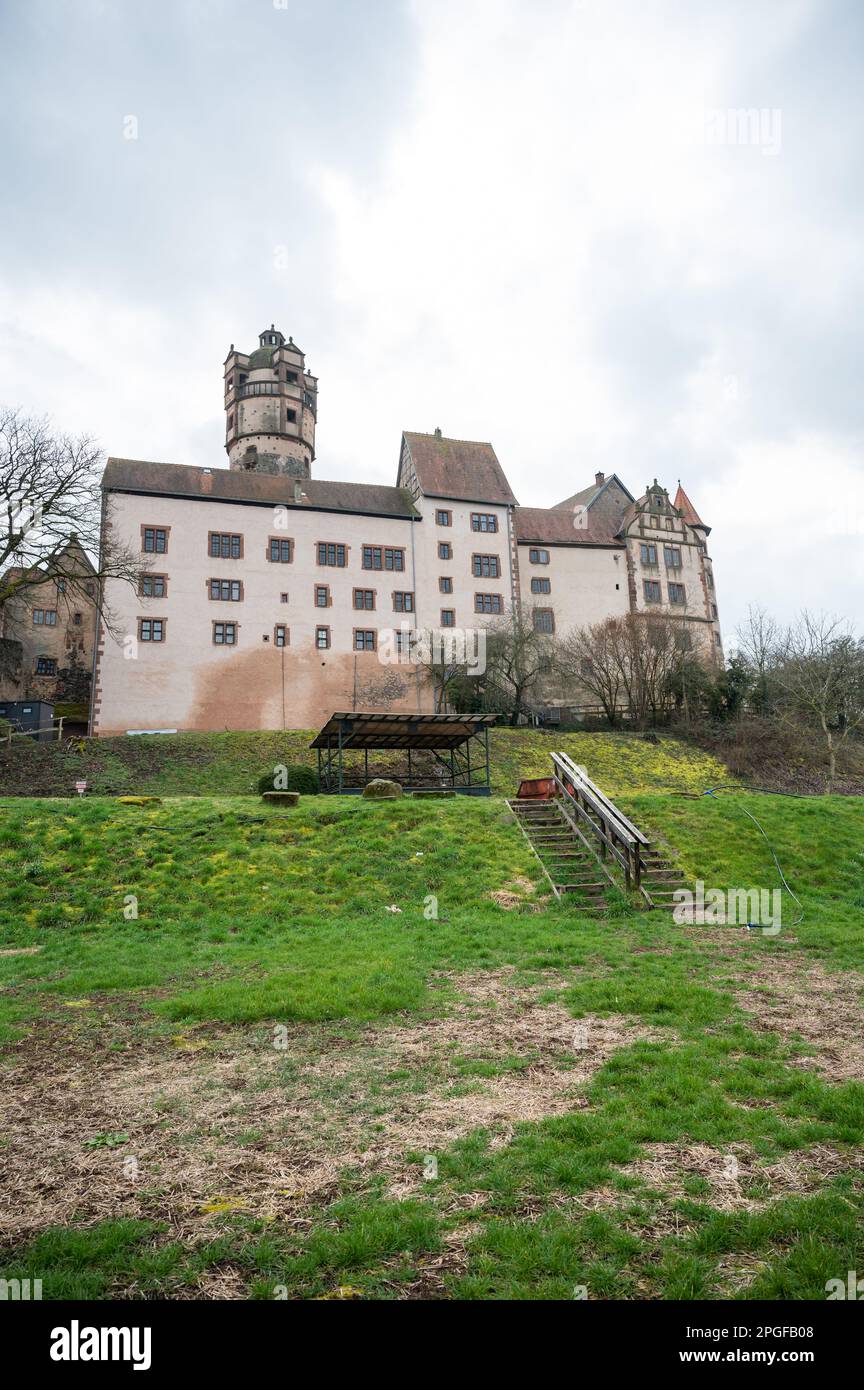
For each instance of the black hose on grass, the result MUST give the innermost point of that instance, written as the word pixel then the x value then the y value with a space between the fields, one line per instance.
pixel 768 791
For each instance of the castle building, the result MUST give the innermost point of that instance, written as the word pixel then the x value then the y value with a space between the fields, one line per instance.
pixel 48 630
pixel 271 404
pixel 268 599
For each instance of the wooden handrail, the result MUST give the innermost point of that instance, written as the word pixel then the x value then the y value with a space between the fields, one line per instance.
pixel 596 831
pixel 601 796
pixel 618 836
pixel 600 804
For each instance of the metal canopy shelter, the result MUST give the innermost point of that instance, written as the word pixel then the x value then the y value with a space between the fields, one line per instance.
pixel 458 743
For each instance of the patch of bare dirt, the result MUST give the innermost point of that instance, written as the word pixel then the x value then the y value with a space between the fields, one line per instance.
pixel 211 1122
pixel 738 1180
pixel 736 1272
pixel 519 892
pixel 786 995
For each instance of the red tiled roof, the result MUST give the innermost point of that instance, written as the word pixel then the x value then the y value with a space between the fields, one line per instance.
pixel 230 485
pixel 552 526
pixel 462 469
pixel 686 508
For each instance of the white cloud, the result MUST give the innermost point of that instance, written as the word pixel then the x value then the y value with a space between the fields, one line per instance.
pixel 552 257
pixel 532 243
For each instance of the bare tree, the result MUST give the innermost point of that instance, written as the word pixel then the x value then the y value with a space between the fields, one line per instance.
pixel 49 492
pixel 760 642
pixel 630 661
pixel 821 678
pixel 587 658
pixel 444 663
pixel 517 658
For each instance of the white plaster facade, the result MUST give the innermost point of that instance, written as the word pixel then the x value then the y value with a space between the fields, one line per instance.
pixel 279 671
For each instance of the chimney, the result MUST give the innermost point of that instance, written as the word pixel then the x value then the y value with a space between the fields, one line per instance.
pixel 437 431
pixel 599 478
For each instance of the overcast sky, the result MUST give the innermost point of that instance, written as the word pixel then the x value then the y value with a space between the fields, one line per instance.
pixel 528 221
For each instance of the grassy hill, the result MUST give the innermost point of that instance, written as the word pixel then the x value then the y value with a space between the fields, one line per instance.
pixel 229 764
pixel 276 1017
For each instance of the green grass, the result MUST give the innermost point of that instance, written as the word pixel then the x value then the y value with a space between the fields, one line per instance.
pixel 229 764
pixel 247 914
pixel 819 842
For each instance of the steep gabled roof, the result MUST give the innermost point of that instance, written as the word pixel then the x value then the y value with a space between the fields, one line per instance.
pixel 261 489
pixel 687 510
pixel 462 469
pixel 589 495
pixel 45 569
pixel 554 526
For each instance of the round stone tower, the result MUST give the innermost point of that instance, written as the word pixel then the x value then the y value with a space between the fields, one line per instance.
pixel 271 404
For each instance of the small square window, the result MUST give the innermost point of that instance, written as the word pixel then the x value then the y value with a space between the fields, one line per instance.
pixel 448 617
pixel 443 517
pixel 154 539
pixel 153 585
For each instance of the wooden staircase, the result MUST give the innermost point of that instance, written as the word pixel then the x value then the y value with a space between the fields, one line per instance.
pixel 661 878
pixel 570 864
pixel 587 845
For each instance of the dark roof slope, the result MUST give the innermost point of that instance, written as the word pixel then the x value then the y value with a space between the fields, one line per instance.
pixel 260 489
pixel 552 526
pixel 463 469
pixel 588 494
